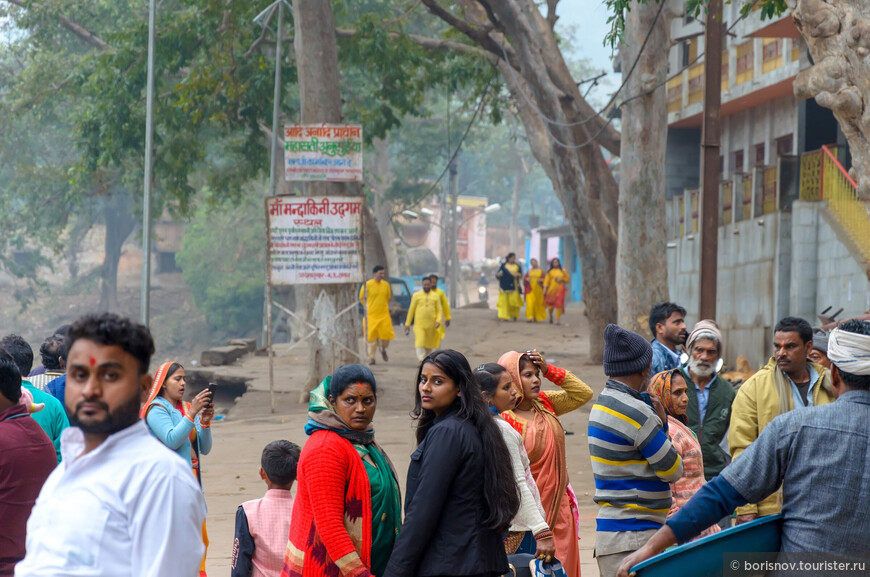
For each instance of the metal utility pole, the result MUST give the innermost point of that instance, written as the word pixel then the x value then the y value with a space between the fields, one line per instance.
pixel 276 106
pixel 145 306
pixel 710 159
pixel 274 175
pixel 454 241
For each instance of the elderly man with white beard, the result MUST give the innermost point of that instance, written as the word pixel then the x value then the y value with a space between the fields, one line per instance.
pixel 710 396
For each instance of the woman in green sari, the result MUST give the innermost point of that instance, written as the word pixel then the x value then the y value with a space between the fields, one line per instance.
pixel 348 502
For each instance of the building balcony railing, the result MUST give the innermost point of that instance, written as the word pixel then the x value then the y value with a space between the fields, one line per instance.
pixel 754 59
pixel 742 196
pixel 823 178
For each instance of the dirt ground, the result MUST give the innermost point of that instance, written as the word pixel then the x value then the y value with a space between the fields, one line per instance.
pixel 230 470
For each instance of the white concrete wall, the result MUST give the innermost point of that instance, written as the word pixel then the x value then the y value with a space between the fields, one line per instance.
pixel 745 300
pixel 782 264
pixel 830 271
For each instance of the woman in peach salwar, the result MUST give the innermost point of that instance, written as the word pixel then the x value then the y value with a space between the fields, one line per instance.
pixel 670 387
pixel 536 419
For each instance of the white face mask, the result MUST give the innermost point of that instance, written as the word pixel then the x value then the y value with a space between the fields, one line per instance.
pixel 701 368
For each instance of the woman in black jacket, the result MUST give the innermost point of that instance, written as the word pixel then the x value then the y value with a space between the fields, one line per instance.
pixel 461 495
pixel 510 297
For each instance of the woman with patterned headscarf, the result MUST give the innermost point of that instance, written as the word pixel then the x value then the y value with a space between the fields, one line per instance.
pixel 183 427
pixel 536 419
pixel 348 510
pixel 670 388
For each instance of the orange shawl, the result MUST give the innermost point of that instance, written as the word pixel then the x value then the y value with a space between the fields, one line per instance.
pixel 154 392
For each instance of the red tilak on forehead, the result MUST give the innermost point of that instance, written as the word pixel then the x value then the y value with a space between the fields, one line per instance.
pixel 93 361
pixel 360 385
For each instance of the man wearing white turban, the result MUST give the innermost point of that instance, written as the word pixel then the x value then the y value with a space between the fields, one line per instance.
pixel 820 456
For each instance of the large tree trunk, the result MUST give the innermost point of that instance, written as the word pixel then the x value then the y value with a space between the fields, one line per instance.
pixel 373 248
pixel 837 33
pixel 317 66
pixel 119 220
pixel 381 179
pixel 568 148
pixel 641 263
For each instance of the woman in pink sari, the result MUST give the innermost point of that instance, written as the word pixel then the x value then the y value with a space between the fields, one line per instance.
pixel 536 419
pixel 670 387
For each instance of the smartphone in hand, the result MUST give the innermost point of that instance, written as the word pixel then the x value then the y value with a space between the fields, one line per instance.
pixel 211 388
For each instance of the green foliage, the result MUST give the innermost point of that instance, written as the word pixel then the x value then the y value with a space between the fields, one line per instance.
pixel 618 9
pixel 223 261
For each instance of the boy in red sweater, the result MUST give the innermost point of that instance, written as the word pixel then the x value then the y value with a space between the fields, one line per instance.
pixel 263 525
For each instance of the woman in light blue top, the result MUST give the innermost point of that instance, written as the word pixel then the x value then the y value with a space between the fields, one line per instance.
pixel 183 427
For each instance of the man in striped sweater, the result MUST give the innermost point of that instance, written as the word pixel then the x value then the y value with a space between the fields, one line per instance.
pixel 633 460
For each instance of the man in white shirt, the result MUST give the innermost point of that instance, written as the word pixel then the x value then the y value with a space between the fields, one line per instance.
pixel 121 503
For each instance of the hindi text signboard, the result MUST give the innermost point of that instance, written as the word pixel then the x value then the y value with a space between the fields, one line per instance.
pixel 325 152
pixel 315 240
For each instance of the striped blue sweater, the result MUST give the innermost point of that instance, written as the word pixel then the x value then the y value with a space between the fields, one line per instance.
pixel 633 462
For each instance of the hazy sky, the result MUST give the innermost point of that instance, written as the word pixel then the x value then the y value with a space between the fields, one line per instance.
pixel 590 18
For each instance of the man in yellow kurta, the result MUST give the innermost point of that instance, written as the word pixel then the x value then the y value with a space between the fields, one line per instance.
pixel 376 295
pixel 425 313
pixel 445 308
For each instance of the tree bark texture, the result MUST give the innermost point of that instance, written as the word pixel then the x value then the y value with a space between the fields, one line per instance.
pixel 372 246
pixel 552 109
pixel 317 65
pixel 837 33
pixel 641 263
pixel 118 216
pixel 380 179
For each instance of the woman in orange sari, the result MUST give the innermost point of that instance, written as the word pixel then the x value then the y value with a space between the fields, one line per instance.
pixel 555 289
pixel 536 419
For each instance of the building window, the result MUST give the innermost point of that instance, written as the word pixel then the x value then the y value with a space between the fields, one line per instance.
pixel 721 165
pixel 738 161
pixel 784 144
pixel 759 154
pixel 689 20
pixel 686 49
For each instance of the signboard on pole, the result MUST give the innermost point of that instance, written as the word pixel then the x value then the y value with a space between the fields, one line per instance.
pixel 315 240
pixel 323 152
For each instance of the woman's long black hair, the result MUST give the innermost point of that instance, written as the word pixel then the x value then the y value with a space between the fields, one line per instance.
pixel 501 498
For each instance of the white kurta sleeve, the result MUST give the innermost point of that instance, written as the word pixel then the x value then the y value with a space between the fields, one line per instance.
pixel 167 527
pixel 529 517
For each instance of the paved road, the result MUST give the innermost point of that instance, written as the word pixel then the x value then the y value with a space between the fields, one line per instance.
pixel 230 471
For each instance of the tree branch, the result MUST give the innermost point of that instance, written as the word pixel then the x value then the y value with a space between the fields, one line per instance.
pixel 551 13
pixel 480 34
pixel 71 25
pixel 422 41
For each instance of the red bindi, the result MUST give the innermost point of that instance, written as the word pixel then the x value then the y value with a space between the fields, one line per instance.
pixel 93 361
pixel 360 385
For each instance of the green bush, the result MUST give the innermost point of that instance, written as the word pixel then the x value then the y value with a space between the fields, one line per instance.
pixel 223 261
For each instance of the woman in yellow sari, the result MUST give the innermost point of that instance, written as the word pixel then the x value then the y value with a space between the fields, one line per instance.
pixel 555 289
pixel 510 299
pixel 534 282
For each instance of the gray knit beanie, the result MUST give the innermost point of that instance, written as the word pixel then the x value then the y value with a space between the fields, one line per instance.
pixel 820 340
pixel 625 352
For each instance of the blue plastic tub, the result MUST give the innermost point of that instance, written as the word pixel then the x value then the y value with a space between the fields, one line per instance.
pixel 705 557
